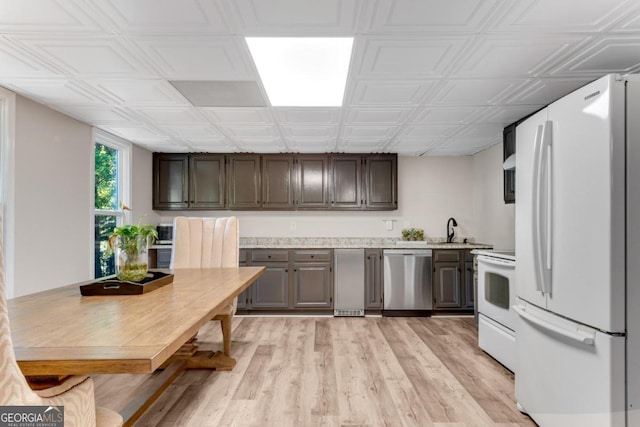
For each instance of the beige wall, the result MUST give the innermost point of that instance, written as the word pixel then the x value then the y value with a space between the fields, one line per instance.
pixel 141 185
pixel 431 189
pixel 53 227
pixel 495 219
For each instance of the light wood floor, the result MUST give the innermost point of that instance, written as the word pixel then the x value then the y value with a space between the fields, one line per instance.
pixel 296 371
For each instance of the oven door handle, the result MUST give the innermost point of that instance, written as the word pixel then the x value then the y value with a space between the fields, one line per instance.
pixel 488 260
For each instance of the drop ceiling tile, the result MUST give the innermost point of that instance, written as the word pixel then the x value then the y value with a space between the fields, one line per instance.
pixel 295 17
pixel 55 92
pixel 186 131
pixel 144 93
pixel 245 132
pixel 573 16
pixel 631 23
pixel 420 15
pixel 43 15
pixel 381 93
pixel 98 115
pixel 476 92
pixel 413 58
pixel 307 115
pixel 505 115
pixel 522 56
pixel 545 91
pixel 309 131
pixel 480 131
pixel 137 133
pixel 311 145
pixel 369 131
pixel 198 58
pixel 176 17
pixel 440 115
pixel 18 63
pixel 172 115
pixel 609 54
pixel 238 116
pixel 376 116
pixel 215 148
pixel 429 131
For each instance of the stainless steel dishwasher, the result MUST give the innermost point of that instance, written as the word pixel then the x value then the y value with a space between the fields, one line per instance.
pixel 407 279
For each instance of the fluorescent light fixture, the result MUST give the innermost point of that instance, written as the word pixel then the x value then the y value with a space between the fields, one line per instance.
pixel 302 71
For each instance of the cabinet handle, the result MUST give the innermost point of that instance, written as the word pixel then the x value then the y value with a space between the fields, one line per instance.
pixel 311 256
pixel 286 270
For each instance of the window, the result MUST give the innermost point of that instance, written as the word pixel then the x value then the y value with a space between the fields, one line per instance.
pixel 111 192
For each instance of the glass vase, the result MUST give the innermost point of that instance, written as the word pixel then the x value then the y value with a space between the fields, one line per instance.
pixel 132 257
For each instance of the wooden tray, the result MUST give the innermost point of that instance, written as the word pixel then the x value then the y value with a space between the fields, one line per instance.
pixel 153 281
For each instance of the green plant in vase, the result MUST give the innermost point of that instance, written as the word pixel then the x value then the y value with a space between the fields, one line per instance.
pixel 130 243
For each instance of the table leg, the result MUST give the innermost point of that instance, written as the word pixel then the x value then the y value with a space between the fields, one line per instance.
pixel 198 359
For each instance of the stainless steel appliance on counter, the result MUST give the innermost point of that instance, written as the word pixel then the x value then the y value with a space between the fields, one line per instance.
pixel 407 279
pixel 349 282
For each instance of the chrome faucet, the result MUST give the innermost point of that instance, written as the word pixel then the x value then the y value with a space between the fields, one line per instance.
pixel 450 224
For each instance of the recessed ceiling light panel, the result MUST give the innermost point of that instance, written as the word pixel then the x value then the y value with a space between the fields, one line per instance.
pixel 302 71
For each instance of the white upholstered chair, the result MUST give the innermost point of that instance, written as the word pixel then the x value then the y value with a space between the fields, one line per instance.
pixel 75 394
pixel 208 243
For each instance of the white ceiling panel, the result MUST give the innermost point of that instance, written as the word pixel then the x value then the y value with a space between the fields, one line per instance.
pixel 441 77
pixel 166 16
pixel 238 116
pixel 608 55
pixel 198 58
pixel 169 115
pixel 420 15
pixel 545 91
pixel 381 93
pixel 516 56
pixel 476 92
pixel 379 116
pixel 141 92
pixel 307 116
pixel 566 16
pixel 384 58
pixel 296 16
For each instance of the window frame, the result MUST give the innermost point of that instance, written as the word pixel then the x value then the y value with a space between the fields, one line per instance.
pixel 124 182
pixel 7 184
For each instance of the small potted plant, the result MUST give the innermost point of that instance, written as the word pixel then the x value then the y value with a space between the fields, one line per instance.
pixel 130 243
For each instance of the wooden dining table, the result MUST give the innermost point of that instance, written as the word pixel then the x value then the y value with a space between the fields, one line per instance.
pixel 57 333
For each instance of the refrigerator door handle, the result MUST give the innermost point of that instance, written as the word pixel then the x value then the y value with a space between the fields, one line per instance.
pixel 573 335
pixel 535 206
pixel 546 209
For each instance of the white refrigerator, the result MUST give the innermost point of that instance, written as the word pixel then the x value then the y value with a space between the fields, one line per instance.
pixel 578 246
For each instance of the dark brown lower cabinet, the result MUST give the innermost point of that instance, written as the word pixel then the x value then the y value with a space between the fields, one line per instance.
pixel 452 280
pixel 373 279
pixel 293 280
pixel 243 298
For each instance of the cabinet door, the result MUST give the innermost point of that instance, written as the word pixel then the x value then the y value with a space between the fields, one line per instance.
pixel 468 285
pixel 346 181
pixel 243 298
pixel 312 184
pixel 373 278
pixel 170 181
pixel 271 290
pixel 206 181
pixel 243 177
pixel 312 285
pixel 381 182
pixel 277 181
pixel 509 148
pixel 447 285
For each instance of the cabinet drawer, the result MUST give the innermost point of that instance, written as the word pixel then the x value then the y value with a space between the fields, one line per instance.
pixel 164 258
pixel 243 256
pixel 468 256
pixel 446 256
pixel 270 256
pixel 311 256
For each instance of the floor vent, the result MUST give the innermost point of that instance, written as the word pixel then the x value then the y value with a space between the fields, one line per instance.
pixel 345 312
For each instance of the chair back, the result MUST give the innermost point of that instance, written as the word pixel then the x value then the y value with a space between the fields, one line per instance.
pixel 14 389
pixel 205 242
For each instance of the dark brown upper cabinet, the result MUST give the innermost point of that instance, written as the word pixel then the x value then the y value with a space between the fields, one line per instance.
pixel 206 181
pixel 188 181
pixel 243 181
pixel 277 182
pixel 381 182
pixel 170 181
pixel 312 181
pixel 346 181
pixel 509 148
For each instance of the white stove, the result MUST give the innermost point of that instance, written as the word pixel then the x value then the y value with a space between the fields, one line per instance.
pixel 496 297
